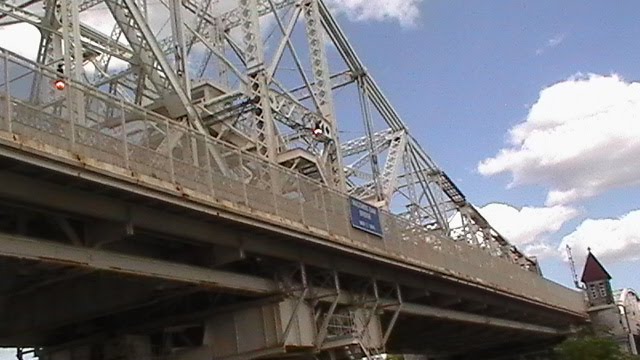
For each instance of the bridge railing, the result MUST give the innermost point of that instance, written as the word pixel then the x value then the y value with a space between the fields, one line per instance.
pixel 83 123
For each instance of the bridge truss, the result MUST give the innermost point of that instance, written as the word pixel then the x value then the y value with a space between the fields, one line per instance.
pixel 275 78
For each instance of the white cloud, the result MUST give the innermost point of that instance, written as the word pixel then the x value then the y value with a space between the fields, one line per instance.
pixel 406 12
pixel 527 227
pixel 23 39
pixel 551 43
pixel 541 250
pixel 580 139
pixel 612 239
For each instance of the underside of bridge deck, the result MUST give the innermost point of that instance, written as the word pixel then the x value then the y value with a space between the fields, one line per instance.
pixel 82 261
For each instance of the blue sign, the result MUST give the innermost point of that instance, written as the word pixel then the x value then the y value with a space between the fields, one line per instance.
pixel 365 217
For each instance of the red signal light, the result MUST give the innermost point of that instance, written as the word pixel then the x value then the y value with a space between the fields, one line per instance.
pixel 59 84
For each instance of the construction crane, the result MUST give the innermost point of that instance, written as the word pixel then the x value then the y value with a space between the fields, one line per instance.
pixel 572 264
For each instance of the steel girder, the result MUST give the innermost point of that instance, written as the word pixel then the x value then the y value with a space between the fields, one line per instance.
pixel 368 297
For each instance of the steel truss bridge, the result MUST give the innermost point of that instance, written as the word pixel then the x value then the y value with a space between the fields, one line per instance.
pixel 175 183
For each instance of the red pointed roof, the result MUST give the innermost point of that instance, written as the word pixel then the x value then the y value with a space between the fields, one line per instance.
pixel 593 270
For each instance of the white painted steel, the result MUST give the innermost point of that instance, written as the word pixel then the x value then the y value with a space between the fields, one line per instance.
pixel 193 167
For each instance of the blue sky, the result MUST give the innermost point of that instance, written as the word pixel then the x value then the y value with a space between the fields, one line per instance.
pixel 464 73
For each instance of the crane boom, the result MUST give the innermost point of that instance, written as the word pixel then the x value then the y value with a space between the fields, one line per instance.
pixel 572 263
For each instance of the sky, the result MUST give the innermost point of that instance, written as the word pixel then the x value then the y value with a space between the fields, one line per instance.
pixel 530 106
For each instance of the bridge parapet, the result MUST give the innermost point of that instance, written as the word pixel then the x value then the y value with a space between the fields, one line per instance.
pixel 88 129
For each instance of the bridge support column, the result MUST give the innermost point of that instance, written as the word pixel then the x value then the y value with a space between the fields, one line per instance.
pixel 261 330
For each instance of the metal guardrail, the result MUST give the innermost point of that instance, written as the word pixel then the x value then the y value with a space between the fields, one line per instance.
pixel 86 123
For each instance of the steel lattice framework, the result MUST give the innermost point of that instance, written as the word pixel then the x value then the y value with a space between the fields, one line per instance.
pixel 277 78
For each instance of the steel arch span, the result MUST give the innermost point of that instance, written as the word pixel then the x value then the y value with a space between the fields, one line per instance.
pixel 275 78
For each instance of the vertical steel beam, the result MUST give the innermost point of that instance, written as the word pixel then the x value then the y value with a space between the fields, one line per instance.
pixel 257 88
pixel 73 59
pixel 180 51
pixel 414 210
pixel 7 89
pixel 219 43
pixel 373 156
pixel 323 91
pixel 48 19
pixel 389 176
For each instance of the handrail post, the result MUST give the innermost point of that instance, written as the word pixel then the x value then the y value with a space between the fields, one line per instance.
pixel 276 186
pixel 242 181
pixel 125 146
pixel 323 193
pixel 209 168
pixel 301 199
pixel 5 56
pixel 169 150
pixel 72 116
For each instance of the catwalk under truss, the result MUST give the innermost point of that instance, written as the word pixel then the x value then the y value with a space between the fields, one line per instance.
pixel 277 78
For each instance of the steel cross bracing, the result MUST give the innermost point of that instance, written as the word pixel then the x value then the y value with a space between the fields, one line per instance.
pixel 277 78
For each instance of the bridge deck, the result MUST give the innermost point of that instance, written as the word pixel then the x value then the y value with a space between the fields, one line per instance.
pixel 205 175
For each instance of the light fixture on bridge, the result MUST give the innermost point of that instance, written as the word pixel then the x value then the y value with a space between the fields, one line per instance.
pixel 59 84
pixel 318 129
